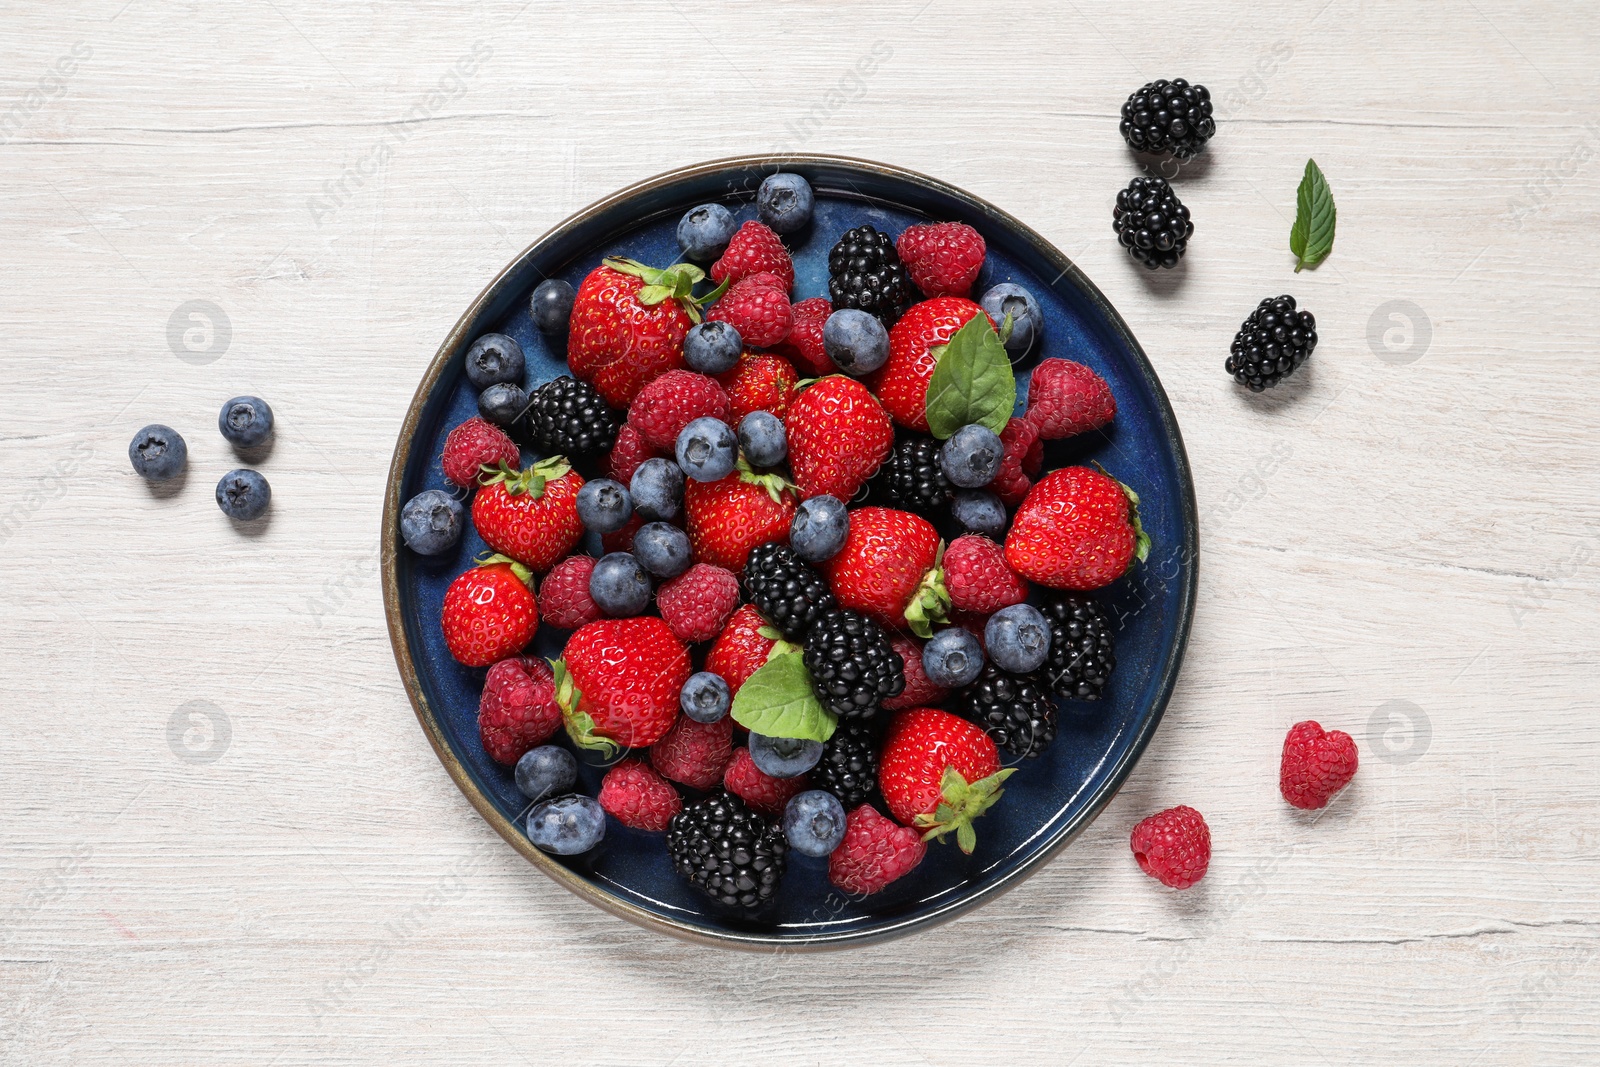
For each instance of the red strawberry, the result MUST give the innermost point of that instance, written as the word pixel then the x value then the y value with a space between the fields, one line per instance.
pixel 744 645
pixel 564 598
pixel 636 796
pixel 919 692
pixel 518 708
pixel 839 436
pixel 938 772
pixel 697 603
pixel 755 249
pixel 727 518
pixel 628 324
pixel 804 344
pixel 889 570
pixel 756 787
pixel 618 682
pixel 1317 763
pixel 976 574
pixel 1066 398
pixel 531 515
pixel 875 851
pixel 1078 529
pixel 943 258
pixel 625 456
pixel 758 307
pixel 489 613
pixel 761 382
pixel 1012 482
pixel 671 402
pixel 902 382
pixel 474 445
pixel 694 753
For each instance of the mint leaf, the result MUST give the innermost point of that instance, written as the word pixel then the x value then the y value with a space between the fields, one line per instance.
pixel 972 382
pixel 1315 217
pixel 778 701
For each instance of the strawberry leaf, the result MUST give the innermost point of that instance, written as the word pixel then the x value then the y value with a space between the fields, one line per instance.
pixel 779 701
pixel 1315 219
pixel 973 381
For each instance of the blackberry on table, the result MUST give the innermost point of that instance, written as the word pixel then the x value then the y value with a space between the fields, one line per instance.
pixel 849 765
pixel 1016 710
pixel 569 418
pixel 1081 655
pixel 1152 223
pixel 727 851
pixel 853 667
pixel 788 591
pixel 910 479
pixel 1271 344
pixel 865 272
pixel 1168 116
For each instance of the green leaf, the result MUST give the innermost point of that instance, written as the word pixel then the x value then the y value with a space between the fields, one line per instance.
pixel 972 382
pixel 1315 217
pixel 778 701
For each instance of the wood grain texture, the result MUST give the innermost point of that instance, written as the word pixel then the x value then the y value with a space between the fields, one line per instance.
pixel 1389 543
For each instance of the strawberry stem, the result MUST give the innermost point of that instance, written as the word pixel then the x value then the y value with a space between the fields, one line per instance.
pixel 661 284
pixel 960 802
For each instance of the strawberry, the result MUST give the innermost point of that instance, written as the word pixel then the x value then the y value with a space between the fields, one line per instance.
pixel 938 772
pixel 758 307
pixel 943 258
pixel 1077 529
pixel 889 570
pixel 839 435
pixel 976 574
pixel 902 382
pixel 628 324
pixel 618 682
pixel 744 645
pixel 694 753
pixel 531 515
pixel 755 249
pixel 727 518
pixel 1066 398
pixel 489 612
pixel 1012 482
pixel 918 691
pixel 756 787
pixel 665 406
pixel 875 851
pixel 518 708
pixel 803 346
pixel 760 382
pixel 636 796
pixel 625 456
pixel 474 445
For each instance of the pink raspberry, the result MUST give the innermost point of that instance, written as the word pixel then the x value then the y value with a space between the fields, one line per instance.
pixel 671 402
pixel 564 599
pixel 698 602
pixel 694 753
pixel 1317 763
pixel 919 692
pixel 518 708
pixel 758 307
pixel 875 851
pixel 1011 484
pixel 978 577
pixel 473 445
pixel 1066 398
pixel 804 344
pixel 943 258
pixel 1173 846
pixel 625 456
pixel 636 796
pixel 755 249
pixel 756 787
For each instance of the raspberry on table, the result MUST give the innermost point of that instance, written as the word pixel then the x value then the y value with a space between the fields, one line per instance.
pixel 694 753
pixel 758 307
pixel 697 603
pixel 1173 846
pixel 1317 763
pixel 636 796
pixel 803 346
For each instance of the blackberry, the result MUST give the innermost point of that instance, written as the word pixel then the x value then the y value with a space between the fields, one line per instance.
pixel 849 765
pixel 1272 343
pixel 865 272
pixel 786 589
pixel 910 479
pixel 852 664
pixel 1016 710
pixel 1081 656
pixel 567 417
pixel 1151 222
pixel 1168 116
pixel 730 853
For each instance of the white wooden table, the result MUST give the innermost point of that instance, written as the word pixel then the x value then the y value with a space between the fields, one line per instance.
pixel 225 840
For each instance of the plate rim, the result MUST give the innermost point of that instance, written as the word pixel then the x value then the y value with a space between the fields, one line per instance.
pixel 748 940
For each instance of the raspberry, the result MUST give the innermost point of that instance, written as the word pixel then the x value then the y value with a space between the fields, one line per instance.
pixel 761 382
pixel 943 258
pixel 671 402
pixel 741 648
pixel 622 540
pixel 1173 846
pixel 518 708
pixel 758 307
pixel 1317 763
pixel 758 789
pixel 1066 398
pixel 1011 485
pixel 697 602
pixel 625 456
pixel 755 249
pixel 875 851
pixel 694 753
pixel 919 692
pixel 473 445
pixel 978 578
pixel 804 343
pixel 1033 462
pixel 636 796
pixel 564 599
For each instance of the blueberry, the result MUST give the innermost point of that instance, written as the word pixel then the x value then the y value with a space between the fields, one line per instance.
pixel 784 757
pixel 971 458
pixel 492 359
pixel 979 511
pixel 707 449
pixel 657 489
pixel 619 586
pixel 784 202
pixel 952 658
pixel 705 697
pixel 819 528
pixel 1027 320
pixel 704 232
pixel 662 549
pixel 567 825
pixel 604 506
pixel 246 421
pixel 503 403
pixel 762 437
pixel 431 522
pixel 158 452
pixel 243 494
pixel 545 770
pixel 813 822
pixel 712 347
pixel 1018 638
pixel 551 305
pixel 855 341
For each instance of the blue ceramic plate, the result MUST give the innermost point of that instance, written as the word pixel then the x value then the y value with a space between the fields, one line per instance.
pixel 1050 799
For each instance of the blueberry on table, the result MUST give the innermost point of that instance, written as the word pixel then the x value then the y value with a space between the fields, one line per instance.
pixel 545 771
pixel 245 421
pixel 814 822
pixel 657 489
pixel 712 347
pixel 971 458
pixel 243 494
pixel 604 506
pixel 785 202
pixel 704 232
pixel 494 358
pixel 819 529
pixel 158 453
pixel 1027 319
pixel 619 586
pixel 763 439
pixel 979 511
pixel 567 826
pixel 705 697
pixel 952 658
pixel 662 549
pixel 551 305
pixel 784 757
pixel 707 449
pixel 1017 638
pixel 502 403
pixel 855 341
pixel 431 522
